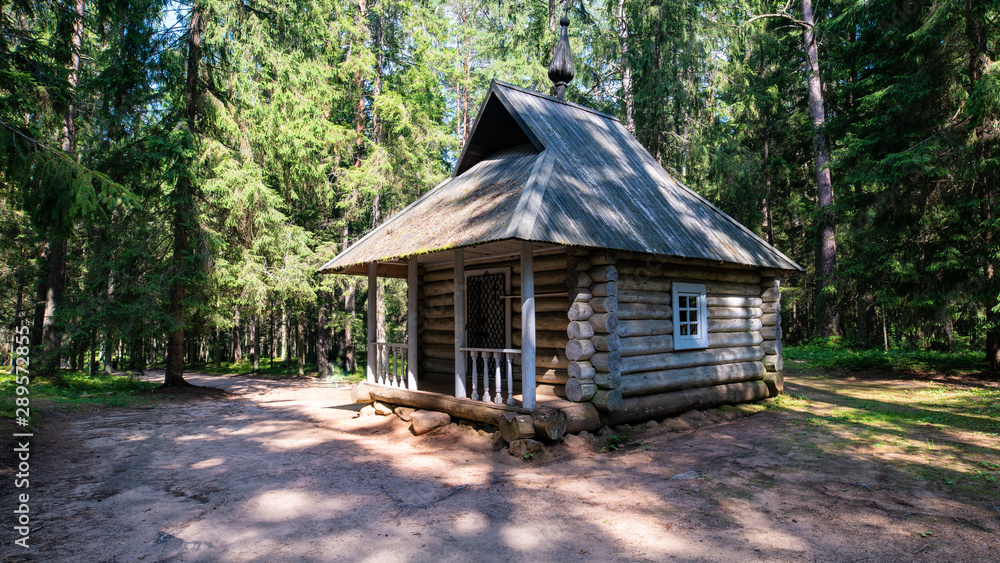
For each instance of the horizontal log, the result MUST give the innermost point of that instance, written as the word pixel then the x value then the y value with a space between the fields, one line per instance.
pixel 770 332
pixel 549 423
pixel 580 311
pixel 579 330
pixel 602 274
pixel 604 322
pixel 437 312
pixel 579 391
pixel 726 288
pixel 650 297
pixel 643 283
pixel 721 301
pixel 554 278
pixel 440 301
pixel 651 382
pixel 580 417
pixel 603 257
pixel 608 380
pixel 771 295
pixel 447 274
pixel 579 350
pixel 647 407
pixel 772 347
pixel 579 263
pixel 607 361
pixel 654 268
pixel 439 324
pixel 439 351
pixel 581 370
pixel 773 362
pixel 545 263
pixel 604 304
pixel 551 390
pixel 437 337
pixel 544 339
pixel 551 321
pixel 645 345
pixel 775 382
pixel 606 289
pixel 438 288
pixel 733 313
pixel 649 327
pixel 734 325
pixel 545 304
pixel 478 411
pixel 438 365
pixel 734 339
pixel 551 376
pixel 637 311
pixel 692 358
pixel 607 400
pixel 514 426
pixel 551 358
pixel 606 342
pixel 771 307
pixel 771 319
pixel 580 294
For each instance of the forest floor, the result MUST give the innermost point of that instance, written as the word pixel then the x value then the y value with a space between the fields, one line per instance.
pixel 841 468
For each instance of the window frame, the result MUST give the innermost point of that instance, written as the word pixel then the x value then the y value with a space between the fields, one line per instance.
pixel 690 341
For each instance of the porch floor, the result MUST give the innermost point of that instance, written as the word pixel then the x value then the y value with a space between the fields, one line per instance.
pixel 447 387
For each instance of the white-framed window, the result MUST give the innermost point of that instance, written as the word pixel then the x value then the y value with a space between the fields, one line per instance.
pixel 690 316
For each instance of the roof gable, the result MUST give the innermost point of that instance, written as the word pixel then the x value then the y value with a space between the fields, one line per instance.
pixel 541 169
pixel 495 129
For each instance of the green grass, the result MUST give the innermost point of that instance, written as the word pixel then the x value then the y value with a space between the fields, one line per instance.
pixel 278 370
pixel 832 353
pixel 80 389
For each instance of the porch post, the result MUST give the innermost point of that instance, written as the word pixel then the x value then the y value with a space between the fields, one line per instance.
pixel 372 320
pixel 527 325
pixel 459 323
pixel 411 324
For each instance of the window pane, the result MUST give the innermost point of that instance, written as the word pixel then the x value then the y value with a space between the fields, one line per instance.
pixel 683 315
pixel 684 330
pixel 682 301
pixel 694 316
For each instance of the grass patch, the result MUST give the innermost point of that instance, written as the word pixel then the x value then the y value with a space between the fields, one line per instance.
pixel 80 389
pixel 832 353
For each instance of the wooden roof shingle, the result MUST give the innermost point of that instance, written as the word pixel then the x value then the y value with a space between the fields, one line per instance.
pixel 540 169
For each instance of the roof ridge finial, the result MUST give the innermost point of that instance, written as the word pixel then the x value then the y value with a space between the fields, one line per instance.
pixel 561 69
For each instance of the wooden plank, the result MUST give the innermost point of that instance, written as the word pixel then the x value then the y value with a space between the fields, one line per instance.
pixel 652 382
pixel 647 407
pixel 692 358
pixel 372 321
pixel 412 323
pixel 460 322
pixel 527 325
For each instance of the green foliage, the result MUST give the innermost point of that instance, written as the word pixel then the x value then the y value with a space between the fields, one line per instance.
pixel 78 389
pixel 835 353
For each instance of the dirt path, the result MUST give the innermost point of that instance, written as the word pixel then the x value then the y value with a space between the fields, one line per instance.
pixel 282 471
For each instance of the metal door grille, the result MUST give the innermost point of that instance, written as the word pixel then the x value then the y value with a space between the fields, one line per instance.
pixel 486 317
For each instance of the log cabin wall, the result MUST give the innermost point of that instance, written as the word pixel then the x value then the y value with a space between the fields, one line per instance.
pixel 437 317
pixel 655 379
pixel 771 332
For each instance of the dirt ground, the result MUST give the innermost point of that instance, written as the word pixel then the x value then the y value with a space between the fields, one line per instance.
pixel 285 470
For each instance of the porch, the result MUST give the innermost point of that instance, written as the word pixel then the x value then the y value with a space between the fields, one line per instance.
pixel 470 348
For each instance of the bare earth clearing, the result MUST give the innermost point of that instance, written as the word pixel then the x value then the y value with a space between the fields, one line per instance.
pixel 281 470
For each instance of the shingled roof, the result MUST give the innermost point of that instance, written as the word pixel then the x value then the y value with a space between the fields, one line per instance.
pixel 541 169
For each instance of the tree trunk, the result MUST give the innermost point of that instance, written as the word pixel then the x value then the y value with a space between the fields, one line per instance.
pixel 300 343
pixel 826 244
pixel 323 334
pixel 237 337
pixel 255 343
pixel 18 311
pixel 183 213
pixel 626 67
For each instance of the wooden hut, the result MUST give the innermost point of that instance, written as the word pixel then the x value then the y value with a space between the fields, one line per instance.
pixel 561 280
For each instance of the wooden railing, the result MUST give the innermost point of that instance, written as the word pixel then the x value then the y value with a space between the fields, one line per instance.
pixel 390 364
pixel 502 364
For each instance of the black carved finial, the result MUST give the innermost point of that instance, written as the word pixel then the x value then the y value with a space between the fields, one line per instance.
pixel 561 69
